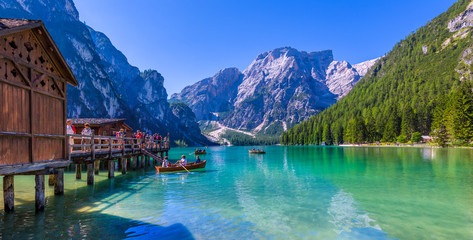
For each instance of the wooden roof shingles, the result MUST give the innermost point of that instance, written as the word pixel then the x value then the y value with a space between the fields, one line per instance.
pixel 96 121
pixel 8 23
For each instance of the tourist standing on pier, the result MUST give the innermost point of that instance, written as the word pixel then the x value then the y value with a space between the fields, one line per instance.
pixel 139 136
pixel 70 129
pixel 88 132
pixel 120 134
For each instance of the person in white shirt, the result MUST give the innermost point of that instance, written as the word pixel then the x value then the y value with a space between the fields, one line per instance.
pixel 183 160
pixel 88 132
pixel 165 162
pixel 70 129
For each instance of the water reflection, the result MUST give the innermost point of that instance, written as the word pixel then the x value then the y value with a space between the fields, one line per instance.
pixel 289 193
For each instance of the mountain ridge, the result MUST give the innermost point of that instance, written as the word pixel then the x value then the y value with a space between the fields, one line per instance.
pixel 422 86
pixel 280 88
pixel 109 87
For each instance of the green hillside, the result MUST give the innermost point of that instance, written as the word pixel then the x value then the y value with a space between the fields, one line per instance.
pixel 422 86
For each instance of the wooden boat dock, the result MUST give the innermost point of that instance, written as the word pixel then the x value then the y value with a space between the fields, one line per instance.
pixel 34 78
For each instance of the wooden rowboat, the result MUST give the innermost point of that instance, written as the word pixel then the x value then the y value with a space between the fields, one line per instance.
pixel 257 152
pixel 200 153
pixel 177 168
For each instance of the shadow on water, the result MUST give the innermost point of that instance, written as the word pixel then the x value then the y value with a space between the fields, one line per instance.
pixel 73 216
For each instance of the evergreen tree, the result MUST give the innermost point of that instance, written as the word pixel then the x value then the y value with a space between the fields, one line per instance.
pixel 462 113
pixel 408 123
pixel 328 138
pixel 371 133
pixel 416 137
pixel 339 134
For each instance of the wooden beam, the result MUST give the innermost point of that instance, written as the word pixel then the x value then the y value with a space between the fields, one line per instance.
pixel 8 193
pixel 90 173
pixel 32 140
pixel 27 79
pixel 15 84
pixel 39 193
pixel 59 184
pixel 38 78
pixel 32 167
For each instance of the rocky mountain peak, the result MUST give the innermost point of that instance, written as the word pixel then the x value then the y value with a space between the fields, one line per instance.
pixel 109 87
pixel 279 88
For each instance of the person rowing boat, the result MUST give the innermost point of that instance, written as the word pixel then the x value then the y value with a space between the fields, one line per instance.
pixel 183 161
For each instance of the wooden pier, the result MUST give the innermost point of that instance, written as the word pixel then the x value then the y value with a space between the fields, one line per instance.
pixel 91 151
pixel 33 107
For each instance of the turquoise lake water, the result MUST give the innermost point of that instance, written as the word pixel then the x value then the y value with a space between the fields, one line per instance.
pixel 288 193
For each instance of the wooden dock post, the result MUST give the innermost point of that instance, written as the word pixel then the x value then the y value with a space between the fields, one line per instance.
pixel 78 171
pixel 51 179
pixel 90 173
pixel 59 183
pixel 39 192
pixel 134 163
pixel 128 162
pixel 111 169
pixel 97 167
pixel 123 160
pixel 8 193
pixel 120 165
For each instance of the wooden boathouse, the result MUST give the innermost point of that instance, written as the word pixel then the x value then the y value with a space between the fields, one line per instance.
pixel 33 110
pixel 102 126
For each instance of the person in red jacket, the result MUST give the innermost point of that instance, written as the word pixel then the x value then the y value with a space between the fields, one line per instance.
pixel 139 136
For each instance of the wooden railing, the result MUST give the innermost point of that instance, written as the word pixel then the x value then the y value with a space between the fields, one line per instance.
pixel 92 145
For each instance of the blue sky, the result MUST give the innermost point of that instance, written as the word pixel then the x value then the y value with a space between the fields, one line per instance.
pixel 189 40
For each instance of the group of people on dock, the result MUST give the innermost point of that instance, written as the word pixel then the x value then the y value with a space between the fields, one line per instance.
pixel 142 138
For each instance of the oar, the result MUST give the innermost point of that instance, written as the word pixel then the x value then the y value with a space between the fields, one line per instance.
pixel 186 169
pixel 183 166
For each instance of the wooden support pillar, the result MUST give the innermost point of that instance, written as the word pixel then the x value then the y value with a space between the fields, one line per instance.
pixel 78 171
pixel 39 192
pixel 59 184
pixel 134 163
pixel 90 173
pixel 123 160
pixel 97 167
pixel 111 169
pixel 51 180
pixel 128 163
pixel 150 162
pixel 142 161
pixel 120 166
pixel 8 193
